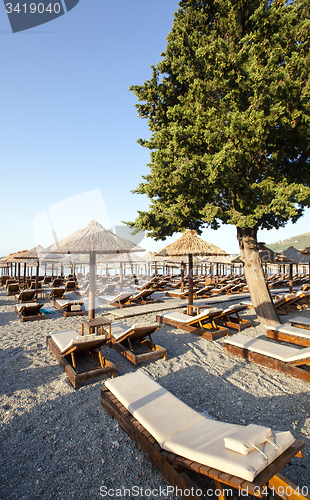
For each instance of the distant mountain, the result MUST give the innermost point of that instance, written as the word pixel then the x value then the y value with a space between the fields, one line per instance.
pixel 299 242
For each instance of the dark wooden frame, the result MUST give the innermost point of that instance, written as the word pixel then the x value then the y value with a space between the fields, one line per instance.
pixel 54 293
pixel 143 301
pixel 105 366
pixel 233 320
pixel 173 467
pixel 210 331
pixel 126 346
pixel 292 369
pixel 287 337
pixel 65 312
pixel 29 317
pixel 20 300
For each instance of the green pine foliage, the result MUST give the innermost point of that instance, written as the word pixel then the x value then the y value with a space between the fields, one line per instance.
pixel 229 111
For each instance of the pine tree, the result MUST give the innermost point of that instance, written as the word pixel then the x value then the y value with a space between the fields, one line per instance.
pixel 228 107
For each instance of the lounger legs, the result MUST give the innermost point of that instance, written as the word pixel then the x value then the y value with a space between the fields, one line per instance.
pixel 219 490
pixel 286 489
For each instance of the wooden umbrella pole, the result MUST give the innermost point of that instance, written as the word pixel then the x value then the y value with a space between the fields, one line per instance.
pixel 37 275
pixel 92 285
pixel 182 276
pixel 290 289
pixel 121 276
pixel 190 279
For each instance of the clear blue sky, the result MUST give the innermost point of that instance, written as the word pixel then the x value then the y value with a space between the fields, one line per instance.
pixel 69 126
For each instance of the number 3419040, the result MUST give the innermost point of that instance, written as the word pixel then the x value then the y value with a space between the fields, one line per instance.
pixel 52 8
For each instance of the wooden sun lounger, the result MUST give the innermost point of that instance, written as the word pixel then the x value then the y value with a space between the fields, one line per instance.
pixel 57 282
pixel 132 343
pixel 230 318
pixel 173 466
pixel 65 345
pixel 288 360
pixel 300 322
pixel 69 307
pixel 70 286
pixel 289 333
pixel 26 296
pixel 13 288
pixel 29 311
pixel 287 303
pixel 143 298
pixel 203 324
pixel 120 300
pixel 57 293
pixel 180 295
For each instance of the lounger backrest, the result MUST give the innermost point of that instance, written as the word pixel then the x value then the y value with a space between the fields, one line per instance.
pixel 300 355
pixel 210 313
pixel 70 340
pixel 120 331
pixel 143 293
pixel 122 296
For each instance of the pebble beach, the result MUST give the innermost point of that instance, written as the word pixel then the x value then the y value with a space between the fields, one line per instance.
pixel 59 443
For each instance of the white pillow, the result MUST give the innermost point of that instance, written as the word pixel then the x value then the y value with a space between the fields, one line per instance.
pixel 248 438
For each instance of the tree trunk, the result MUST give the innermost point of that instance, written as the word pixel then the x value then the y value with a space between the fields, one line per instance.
pixel 254 275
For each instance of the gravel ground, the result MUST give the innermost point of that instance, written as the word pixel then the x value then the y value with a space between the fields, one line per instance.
pixel 59 443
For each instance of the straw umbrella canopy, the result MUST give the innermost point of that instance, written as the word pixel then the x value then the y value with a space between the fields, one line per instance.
pixel 306 251
pixel 123 259
pixel 190 244
pixel 33 254
pixel 11 259
pixel 93 239
pixel 151 259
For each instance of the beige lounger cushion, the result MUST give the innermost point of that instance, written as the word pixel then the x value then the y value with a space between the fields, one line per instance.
pixel 301 321
pixel 19 307
pixel 75 305
pixel 182 430
pixel 161 413
pixel 271 349
pixel 109 299
pixel 120 330
pixel 67 338
pixel 290 330
pixel 204 443
pixel 184 318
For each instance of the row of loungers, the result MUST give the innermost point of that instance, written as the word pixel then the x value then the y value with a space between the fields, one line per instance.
pixel 30 311
pixel 134 343
pixel 288 303
pixel 128 298
pixel 208 324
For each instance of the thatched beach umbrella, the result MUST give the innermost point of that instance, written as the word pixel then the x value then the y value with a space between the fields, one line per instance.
pixel 93 239
pixel 218 260
pixel 151 259
pixel 306 251
pixel 123 259
pixel 190 244
pixel 33 254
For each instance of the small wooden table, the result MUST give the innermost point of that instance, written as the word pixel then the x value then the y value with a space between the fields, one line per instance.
pixel 96 323
pixel 39 292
